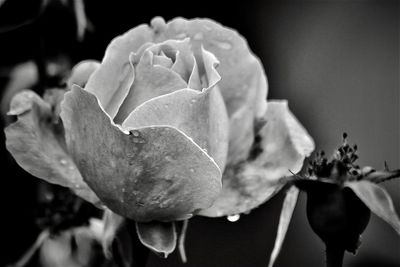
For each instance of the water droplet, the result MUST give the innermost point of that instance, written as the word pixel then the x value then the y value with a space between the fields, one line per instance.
pixel 198 36
pixel 77 186
pixel 135 133
pixel 63 161
pixel 233 218
pixel 224 45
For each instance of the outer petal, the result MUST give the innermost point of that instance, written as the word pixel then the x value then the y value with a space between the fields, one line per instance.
pixel 283 146
pixel 153 173
pixel 81 72
pixel 151 81
pixel 37 144
pixel 243 84
pixel 112 80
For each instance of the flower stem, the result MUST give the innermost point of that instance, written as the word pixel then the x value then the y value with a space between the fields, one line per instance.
pixel 334 256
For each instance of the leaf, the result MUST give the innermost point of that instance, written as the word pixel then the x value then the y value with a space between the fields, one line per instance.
pixel 38 145
pixel 151 173
pixel 286 215
pixel 158 236
pixel 377 200
pixel 280 151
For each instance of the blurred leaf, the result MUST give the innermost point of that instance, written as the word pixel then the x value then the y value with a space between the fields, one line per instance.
pixel 160 237
pixel 284 220
pixel 378 200
pixel 112 223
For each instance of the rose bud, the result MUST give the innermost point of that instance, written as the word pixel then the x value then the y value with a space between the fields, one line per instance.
pixel 340 198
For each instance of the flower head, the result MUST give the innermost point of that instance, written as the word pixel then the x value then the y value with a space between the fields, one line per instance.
pixel 173 122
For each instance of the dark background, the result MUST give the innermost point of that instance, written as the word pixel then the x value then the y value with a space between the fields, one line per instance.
pixel 336 62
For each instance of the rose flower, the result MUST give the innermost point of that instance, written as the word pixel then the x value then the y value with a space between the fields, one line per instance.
pixel 172 123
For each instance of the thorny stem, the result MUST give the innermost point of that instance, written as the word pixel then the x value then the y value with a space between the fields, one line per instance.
pixel 334 256
pixel 31 251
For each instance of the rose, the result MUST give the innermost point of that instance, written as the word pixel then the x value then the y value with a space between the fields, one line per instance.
pixel 171 109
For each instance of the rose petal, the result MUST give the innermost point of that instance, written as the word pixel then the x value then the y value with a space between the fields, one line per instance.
pixel 110 82
pixel 37 144
pixel 284 145
pixel 210 63
pixel 163 61
pixel 158 236
pixel 243 81
pixel 146 86
pixel 181 53
pixel 285 142
pixel 200 115
pixel 238 66
pixel 194 79
pixel 377 200
pixel 81 72
pixel 153 173
pixel 241 135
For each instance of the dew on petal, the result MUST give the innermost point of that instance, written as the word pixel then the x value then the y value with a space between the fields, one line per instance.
pixel 233 218
pixel 63 162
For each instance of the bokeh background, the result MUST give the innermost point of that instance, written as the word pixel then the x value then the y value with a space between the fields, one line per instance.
pixel 337 63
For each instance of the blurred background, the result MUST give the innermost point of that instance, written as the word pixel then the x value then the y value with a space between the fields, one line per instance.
pixel 337 63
